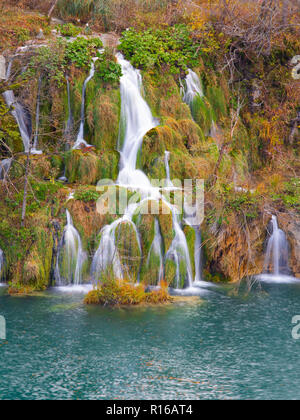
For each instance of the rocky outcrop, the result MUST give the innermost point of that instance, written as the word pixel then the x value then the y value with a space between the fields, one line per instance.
pixel 290 223
pixel 234 251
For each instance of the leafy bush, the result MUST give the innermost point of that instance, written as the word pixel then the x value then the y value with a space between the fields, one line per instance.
pixel 81 51
pixel 155 48
pixel 108 69
pixel 69 30
pixel 54 61
pixel 86 194
pixel 290 196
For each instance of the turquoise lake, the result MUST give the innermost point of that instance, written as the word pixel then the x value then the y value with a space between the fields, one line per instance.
pixel 226 346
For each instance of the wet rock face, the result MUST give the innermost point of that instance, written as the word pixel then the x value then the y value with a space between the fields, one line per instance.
pixel 291 226
pixel 2 68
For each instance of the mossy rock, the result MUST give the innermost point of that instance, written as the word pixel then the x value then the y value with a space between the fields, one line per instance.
pixel 191 238
pixel 165 219
pixel 90 167
pixel 145 224
pixel 129 250
pixel 150 270
pixel 87 220
pixel 163 95
pixel 103 114
pixel 170 273
pixel 37 266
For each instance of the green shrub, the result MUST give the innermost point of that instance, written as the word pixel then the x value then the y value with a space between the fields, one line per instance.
pixel 108 69
pixel 69 30
pixel 155 48
pixel 81 51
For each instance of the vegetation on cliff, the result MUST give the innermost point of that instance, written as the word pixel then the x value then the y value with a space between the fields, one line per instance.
pixel 241 137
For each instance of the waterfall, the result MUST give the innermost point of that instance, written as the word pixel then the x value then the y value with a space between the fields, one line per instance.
pixel 68 128
pixel 156 249
pixel 5 165
pixel 197 255
pixel 193 88
pixel 71 257
pixel 277 255
pixel 80 137
pixel 168 179
pixel 70 121
pixel 37 121
pixel 107 254
pixel 136 121
pixel 179 248
pixel 1 264
pixel 18 113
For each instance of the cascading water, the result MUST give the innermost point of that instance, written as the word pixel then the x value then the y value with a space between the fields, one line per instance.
pixel 197 255
pixel 37 121
pixel 1 264
pixel 18 113
pixel 190 92
pixel 68 128
pixel 193 88
pixel 70 121
pixel 167 167
pixel 107 254
pixel 179 248
pixel 5 165
pixel 136 121
pixel 156 250
pixel 71 256
pixel 277 255
pixel 80 137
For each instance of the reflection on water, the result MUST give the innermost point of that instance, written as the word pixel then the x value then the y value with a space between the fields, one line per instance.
pixel 227 346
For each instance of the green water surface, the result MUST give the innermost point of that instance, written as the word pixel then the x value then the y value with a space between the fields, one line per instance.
pixel 226 347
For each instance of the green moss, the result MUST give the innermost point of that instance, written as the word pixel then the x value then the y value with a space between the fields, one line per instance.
pixel 129 251
pixel 170 274
pixel 165 219
pixel 103 114
pixel 89 168
pixel 163 95
pixel 203 113
pixel 215 96
pixel 190 238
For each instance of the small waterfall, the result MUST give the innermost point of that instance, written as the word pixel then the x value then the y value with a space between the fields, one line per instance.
pixel 80 138
pixel 70 121
pixel 277 255
pixel 167 166
pixel 156 249
pixel 197 255
pixel 179 248
pixel 68 128
pixel 107 254
pixel 71 256
pixel 19 113
pixel 136 121
pixel 5 165
pixel 1 264
pixel 193 88
pixel 179 251
pixel 37 121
